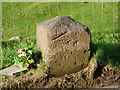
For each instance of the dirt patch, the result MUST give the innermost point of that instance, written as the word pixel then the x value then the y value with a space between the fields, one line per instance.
pixel 109 76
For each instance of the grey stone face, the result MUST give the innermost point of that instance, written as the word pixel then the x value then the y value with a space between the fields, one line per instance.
pixel 65 44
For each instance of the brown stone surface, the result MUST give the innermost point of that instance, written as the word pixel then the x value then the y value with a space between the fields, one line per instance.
pixel 65 44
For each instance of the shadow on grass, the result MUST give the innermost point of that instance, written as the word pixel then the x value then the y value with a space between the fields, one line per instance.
pixel 106 53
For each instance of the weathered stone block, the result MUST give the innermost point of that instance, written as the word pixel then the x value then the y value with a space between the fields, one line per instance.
pixel 65 44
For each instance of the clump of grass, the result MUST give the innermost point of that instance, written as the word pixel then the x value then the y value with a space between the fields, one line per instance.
pixel 9 49
pixel 98 55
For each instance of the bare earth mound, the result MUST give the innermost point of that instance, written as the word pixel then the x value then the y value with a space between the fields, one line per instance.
pixel 102 77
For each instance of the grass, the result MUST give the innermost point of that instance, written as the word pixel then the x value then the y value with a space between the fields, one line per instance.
pixel 105 47
pixel 103 26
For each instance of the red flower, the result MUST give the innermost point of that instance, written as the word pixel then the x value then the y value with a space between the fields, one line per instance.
pixel 20 51
pixel 83 1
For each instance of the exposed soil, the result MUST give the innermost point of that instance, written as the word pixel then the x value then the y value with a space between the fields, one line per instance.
pixel 103 77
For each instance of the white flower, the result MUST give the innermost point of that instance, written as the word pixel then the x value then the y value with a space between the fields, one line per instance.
pixel 22 54
pixel 19 55
pixel 30 51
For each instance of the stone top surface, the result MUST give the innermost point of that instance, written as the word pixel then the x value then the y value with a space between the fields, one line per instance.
pixel 62 22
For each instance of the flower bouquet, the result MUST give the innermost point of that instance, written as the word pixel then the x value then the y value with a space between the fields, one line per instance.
pixel 24 58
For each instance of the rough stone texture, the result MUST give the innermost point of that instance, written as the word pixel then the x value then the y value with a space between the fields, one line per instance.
pixel 65 44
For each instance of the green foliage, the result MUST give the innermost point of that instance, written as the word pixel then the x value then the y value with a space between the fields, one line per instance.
pixel 99 54
pixel 30 61
pixel 24 58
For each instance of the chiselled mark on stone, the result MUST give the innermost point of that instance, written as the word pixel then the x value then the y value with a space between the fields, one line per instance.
pixel 66 56
pixel 68 41
pixel 60 64
pixel 75 43
pixel 55 61
pixel 87 50
pixel 83 57
pixel 62 69
pixel 60 35
pixel 75 33
pixel 75 63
